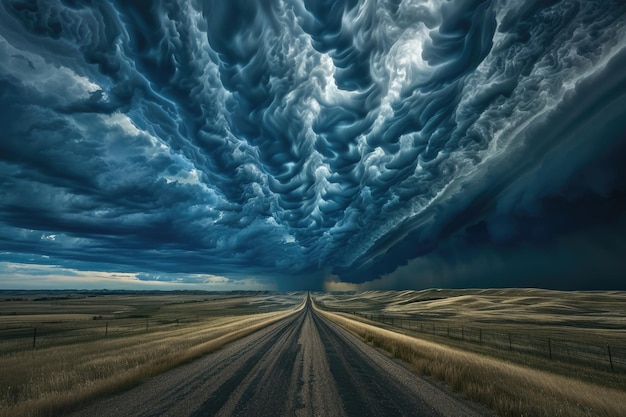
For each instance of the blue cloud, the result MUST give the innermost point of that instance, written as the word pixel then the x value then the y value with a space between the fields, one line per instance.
pixel 296 140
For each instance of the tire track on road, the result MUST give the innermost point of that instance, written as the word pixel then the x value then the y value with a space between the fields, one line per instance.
pixel 303 366
pixel 366 389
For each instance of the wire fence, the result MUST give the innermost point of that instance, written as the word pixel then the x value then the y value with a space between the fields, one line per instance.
pixel 39 335
pixel 42 335
pixel 600 355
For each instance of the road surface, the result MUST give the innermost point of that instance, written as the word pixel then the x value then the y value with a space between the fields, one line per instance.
pixel 303 365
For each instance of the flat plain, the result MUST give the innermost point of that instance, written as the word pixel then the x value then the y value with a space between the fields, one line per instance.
pixel 517 351
pixel 62 349
pixel 579 333
pixel 575 339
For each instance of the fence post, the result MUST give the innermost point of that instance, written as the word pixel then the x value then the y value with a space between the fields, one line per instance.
pixel 34 337
pixel 106 330
pixel 610 357
pixel 549 348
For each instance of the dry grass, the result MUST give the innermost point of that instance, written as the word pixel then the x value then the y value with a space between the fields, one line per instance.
pixel 53 381
pixel 564 332
pixel 509 389
pixel 517 307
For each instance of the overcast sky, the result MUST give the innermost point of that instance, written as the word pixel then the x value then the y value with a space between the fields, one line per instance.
pixel 310 144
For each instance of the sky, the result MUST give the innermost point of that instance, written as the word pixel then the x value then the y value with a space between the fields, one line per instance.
pixel 312 144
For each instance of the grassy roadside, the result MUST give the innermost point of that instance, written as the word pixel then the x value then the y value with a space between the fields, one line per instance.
pixel 509 389
pixel 54 381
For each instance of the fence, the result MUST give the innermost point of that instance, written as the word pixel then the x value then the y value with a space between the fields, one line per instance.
pixel 601 355
pixel 41 334
pixel 46 334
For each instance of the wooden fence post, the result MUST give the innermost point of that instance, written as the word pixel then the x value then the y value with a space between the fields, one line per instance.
pixel 106 330
pixel 34 337
pixel 549 348
pixel 610 357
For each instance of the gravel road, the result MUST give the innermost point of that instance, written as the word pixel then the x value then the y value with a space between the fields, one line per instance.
pixel 303 365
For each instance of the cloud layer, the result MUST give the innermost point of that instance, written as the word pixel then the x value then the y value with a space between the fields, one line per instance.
pixel 301 139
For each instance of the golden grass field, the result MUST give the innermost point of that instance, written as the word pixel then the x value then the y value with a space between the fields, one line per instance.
pixel 77 358
pixel 68 372
pixel 512 383
pixel 516 307
pixel 577 317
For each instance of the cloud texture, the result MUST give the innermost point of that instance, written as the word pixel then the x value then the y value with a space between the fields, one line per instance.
pixel 302 139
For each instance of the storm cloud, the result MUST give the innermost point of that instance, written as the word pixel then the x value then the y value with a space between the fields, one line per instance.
pixel 305 140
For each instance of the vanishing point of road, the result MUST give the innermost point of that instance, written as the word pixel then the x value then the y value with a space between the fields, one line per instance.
pixel 303 365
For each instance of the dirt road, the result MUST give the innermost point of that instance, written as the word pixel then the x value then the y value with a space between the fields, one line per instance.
pixel 301 366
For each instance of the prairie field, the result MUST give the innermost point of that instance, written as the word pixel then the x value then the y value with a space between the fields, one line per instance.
pixel 520 351
pixel 61 350
pixel 579 328
pixel 522 307
pixel 61 317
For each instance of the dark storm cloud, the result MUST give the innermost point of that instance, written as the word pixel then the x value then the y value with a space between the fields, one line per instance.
pixel 295 139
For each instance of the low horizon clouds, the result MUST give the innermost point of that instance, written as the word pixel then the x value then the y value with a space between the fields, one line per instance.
pixel 310 143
